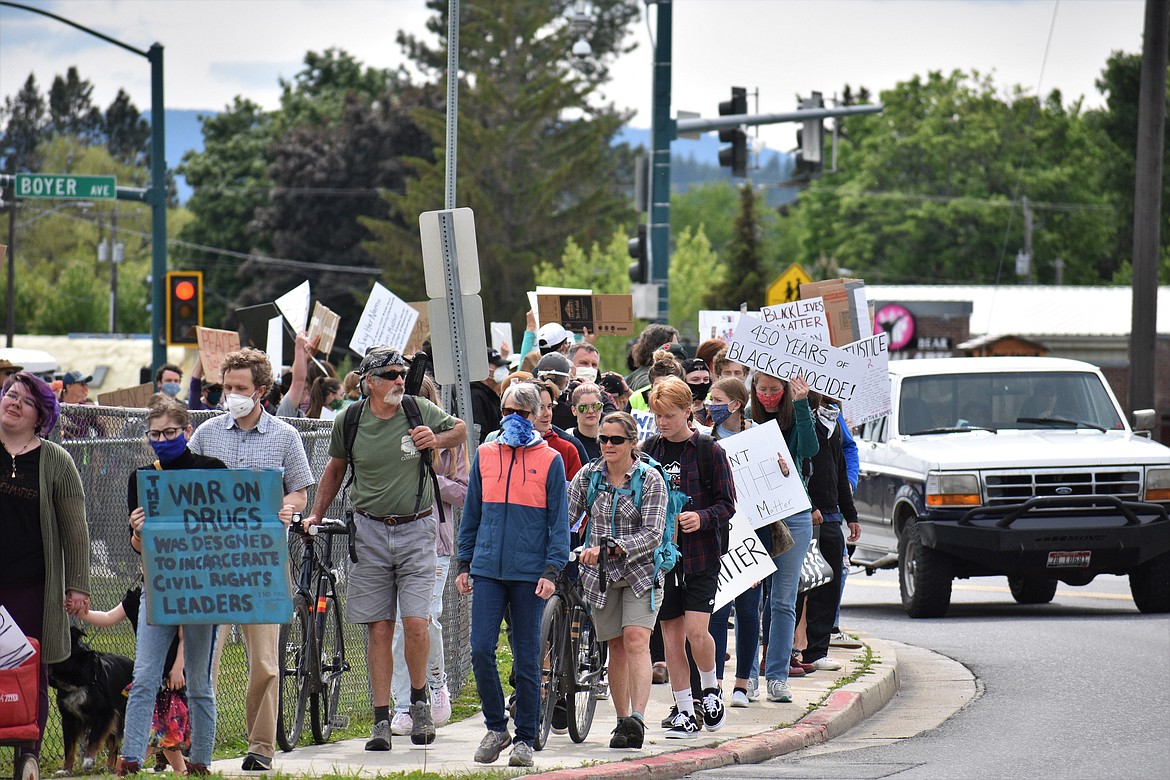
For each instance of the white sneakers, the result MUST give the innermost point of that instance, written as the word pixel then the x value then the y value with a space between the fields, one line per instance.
pixel 826 664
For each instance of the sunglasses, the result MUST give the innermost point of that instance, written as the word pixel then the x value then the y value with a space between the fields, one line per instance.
pixel 614 440
pixel 587 408
pixel 522 412
pixel 391 375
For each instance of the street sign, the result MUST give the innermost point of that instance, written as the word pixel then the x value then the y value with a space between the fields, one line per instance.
pixel 66 186
pixel 786 288
pixel 462 247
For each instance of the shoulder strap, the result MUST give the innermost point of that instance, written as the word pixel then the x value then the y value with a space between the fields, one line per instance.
pixel 426 465
pixel 349 430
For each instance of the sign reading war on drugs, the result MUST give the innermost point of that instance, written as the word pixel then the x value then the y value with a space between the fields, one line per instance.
pixel 213 547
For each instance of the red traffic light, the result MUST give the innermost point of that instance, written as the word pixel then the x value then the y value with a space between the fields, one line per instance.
pixel 184 291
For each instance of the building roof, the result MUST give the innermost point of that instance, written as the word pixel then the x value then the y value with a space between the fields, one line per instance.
pixel 1034 310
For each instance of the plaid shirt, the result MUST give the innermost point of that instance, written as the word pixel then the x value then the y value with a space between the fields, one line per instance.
pixel 638 532
pixel 701 549
pixel 272 444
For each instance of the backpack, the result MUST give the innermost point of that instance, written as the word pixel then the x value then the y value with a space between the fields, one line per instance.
pixel 414 419
pixel 667 554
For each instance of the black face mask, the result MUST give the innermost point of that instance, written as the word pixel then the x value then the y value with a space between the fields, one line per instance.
pixel 214 397
pixel 699 390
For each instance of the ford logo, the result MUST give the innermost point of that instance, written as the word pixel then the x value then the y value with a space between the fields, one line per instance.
pixel 1064 491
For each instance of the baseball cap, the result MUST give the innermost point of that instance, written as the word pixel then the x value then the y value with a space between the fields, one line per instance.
pixel 381 357
pixel 496 359
pixel 550 335
pixel 75 377
pixel 553 364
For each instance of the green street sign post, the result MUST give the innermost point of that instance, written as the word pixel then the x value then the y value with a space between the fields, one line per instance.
pixel 64 185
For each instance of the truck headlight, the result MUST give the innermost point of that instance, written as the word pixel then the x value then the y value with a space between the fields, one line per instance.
pixel 952 490
pixel 1158 484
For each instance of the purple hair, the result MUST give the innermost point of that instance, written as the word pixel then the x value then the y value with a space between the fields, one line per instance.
pixel 48 410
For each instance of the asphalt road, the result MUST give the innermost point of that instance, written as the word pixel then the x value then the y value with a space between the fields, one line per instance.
pixel 1079 688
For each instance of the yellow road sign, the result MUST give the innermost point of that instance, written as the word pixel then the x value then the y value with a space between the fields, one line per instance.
pixel 786 288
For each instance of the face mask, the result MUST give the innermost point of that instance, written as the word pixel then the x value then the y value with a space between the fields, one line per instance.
pixel 770 400
pixel 515 431
pixel 719 413
pixel 214 397
pixel 336 405
pixel 169 450
pixel 170 388
pixel 240 405
pixel 500 374
pixel 829 413
pixel 587 373
pixel 699 390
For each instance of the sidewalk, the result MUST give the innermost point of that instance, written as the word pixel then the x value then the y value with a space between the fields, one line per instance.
pixel 752 734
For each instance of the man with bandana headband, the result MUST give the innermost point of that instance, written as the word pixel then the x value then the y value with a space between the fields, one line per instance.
pixel 396 552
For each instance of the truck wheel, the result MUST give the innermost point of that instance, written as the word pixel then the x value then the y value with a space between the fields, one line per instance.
pixel 1150 585
pixel 1032 590
pixel 924 576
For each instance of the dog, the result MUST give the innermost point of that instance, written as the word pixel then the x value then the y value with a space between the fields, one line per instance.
pixel 90 695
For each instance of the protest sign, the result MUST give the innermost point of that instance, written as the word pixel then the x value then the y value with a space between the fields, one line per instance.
pixel 254 328
pixel 294 305
pixel 764 493
pixel 422 327
pixel 129 397
pixel 604 315
pixel 647 425
pixel 214 345
pixel 275 347
pixel 501 334
pixel 840 304
pixel 717 324
pixel 323 324
pixel 829 370
pixel 872 399
pixel 745 563
pixel 804 318
pixel 387 319
pixel 213 547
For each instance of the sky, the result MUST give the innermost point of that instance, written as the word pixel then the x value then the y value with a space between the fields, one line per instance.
pixel 218 49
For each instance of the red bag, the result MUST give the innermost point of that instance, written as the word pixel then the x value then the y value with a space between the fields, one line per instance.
pixel 19 693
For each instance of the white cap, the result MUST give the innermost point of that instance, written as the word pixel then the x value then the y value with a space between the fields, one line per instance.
pixel 550 335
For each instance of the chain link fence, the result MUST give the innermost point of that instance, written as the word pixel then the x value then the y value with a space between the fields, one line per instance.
pixel 108 444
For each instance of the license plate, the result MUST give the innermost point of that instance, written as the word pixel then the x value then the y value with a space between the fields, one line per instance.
pixel 1074 560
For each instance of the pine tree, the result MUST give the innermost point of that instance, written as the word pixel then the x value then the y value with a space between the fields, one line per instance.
pixel 743 277
pixel 24 128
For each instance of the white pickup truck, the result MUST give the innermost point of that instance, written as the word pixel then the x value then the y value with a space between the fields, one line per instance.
pixel 1024 467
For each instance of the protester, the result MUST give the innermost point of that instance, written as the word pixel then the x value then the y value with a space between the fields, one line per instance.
pixel 587 407
pixel 665 364
pixel 44 563
pixel 167 380
pixel 708 349
pixel 324 398
pixel 653 338
pixel 698 377
pixel 615 384
pixel 543 424
pixel 552 337
pixel 199 395
pixel 723 366
pixel 513 542
pixel 485 396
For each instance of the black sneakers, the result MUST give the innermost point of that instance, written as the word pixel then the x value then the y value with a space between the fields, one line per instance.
pixel 714 714
pixel 668 721
pixel 629 734
pixel 684 726
pixel 560 717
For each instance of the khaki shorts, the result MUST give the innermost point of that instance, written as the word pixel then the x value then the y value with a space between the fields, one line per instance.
pixel 622 608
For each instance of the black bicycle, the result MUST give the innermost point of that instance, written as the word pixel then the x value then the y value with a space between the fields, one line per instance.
pixel 572 660
pixel 312 644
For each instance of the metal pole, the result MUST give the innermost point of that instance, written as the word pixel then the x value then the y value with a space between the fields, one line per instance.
pixel 11 330
pixel 158 210
pixel 114 269
pixel 663 131
pixel 452 100
pixel 1148 206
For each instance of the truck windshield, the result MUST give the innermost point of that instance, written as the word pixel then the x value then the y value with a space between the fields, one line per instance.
pixel 1048 399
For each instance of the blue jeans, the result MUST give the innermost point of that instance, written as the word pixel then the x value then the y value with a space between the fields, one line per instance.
pixel 747 632
pixel 490 599
pixel 785 582
pixel 149 656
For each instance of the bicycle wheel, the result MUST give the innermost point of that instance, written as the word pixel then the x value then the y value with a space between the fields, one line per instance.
pixel 331 643
pixel 296 659
pixel 583 666
pixel 552 643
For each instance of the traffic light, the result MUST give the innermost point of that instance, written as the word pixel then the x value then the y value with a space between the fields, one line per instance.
pixel 184 307
pixel 810 142
pixel 640 268
pixel 734 156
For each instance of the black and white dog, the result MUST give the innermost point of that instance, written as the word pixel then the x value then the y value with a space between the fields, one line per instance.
pixel 90 686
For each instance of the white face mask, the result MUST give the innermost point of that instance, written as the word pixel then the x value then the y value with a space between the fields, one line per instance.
pixel 587 373
pixel 239 405
pixel 500 374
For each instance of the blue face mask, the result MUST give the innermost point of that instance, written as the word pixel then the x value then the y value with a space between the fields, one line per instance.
pixel 515 431
pixel 719 413
pixel 170 388
pixel 168 450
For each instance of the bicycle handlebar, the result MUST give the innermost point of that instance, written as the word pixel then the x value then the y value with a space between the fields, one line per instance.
pixel 329 525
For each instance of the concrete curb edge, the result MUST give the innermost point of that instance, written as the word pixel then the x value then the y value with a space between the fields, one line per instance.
pixel 842 710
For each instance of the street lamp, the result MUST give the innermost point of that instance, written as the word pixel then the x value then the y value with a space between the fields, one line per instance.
pixel 580 22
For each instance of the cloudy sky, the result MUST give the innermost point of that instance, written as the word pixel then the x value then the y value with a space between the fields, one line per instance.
pixel 217 49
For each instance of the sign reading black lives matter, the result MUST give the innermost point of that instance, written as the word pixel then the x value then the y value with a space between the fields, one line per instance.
pixel 213 547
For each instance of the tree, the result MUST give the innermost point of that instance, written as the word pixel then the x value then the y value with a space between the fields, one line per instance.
pixel 743 277
pixel 534 176
pixel 127 132
pixel 694 267
pixel 23 128
pixel 71 109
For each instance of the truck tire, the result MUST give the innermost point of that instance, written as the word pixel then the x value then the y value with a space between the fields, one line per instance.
pixel 924 576
pixel 1150 585
pixel 1032 590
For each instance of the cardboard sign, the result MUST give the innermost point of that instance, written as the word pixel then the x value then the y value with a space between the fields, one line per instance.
pixel 769 349
pixel 324 323
pixel 213 546
pixel 604 315
pixel 872 400
pixel 294 305
pixel 763 492
pixel 717 324
pixel 840 307
pixel 214 345
pixel 254 328
pixel 422 328
pixel 745 563
pixel 386 320
pixel 805 317
pixel 128 397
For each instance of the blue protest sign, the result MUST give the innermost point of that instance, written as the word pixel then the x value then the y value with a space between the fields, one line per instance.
pixel 213 547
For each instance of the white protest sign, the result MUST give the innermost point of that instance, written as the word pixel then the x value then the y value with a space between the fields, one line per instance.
pixel 745 563
pixel 872 399
pixel 294 305
pixel 766 348
pixel 799 318
pixel 387 319
pixel 502 334
pixel 647 425
pixel 717 324
pixel 276 343
pixel 764 493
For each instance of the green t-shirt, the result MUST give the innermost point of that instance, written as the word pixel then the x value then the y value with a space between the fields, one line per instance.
pixel 386 460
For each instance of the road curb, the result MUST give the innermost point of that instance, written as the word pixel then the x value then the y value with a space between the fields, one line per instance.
pixel 841 711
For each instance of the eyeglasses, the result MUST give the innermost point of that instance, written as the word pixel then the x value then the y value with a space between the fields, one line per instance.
pixel 614 440
pixel 587 408
pixel 15 395
pixel 166 433
pixel 390 376
pixel 522 412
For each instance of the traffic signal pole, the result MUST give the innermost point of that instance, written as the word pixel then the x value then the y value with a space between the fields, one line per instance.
pixel 662 132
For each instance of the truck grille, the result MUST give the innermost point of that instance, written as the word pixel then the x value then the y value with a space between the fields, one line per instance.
pixel 1011 487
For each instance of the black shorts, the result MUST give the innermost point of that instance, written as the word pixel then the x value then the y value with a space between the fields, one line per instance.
pixel 689 593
